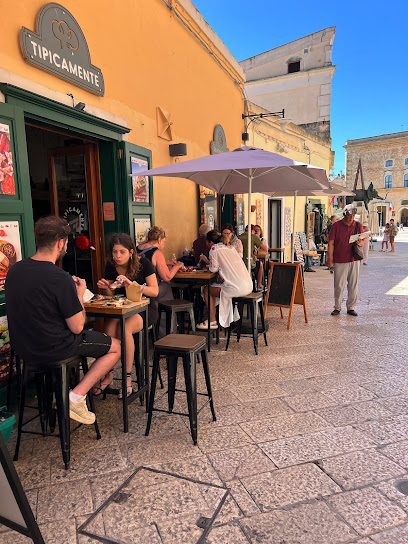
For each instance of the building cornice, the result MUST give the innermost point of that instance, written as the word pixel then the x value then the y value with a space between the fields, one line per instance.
pixel 376 139
pixel 295 75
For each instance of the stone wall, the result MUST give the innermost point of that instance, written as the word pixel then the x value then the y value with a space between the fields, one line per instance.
pixel 374 152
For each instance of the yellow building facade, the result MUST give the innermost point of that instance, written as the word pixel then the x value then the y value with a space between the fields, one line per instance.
pixel 163 77
pixel 287 139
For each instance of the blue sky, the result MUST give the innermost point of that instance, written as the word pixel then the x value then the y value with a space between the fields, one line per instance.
pixel 370 84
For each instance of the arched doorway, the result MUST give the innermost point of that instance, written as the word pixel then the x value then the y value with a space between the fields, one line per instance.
pixel 404 217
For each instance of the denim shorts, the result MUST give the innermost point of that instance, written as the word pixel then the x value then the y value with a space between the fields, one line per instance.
pixel 93 344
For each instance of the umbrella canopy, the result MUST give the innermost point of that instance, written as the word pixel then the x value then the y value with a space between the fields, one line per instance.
pixel 333 190
pixel 246 170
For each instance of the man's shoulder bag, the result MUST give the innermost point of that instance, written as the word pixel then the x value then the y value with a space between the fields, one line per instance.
pixel 356 249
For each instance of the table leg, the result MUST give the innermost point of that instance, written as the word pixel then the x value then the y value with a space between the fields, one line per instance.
pixel 145 378
pixel 124 381
pixel 209 313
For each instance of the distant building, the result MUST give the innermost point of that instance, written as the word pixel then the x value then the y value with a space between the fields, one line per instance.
pixel 295 77
pixel 384 161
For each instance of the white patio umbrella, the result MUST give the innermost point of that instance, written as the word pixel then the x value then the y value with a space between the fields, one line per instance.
pixel 246 170
pixel 333 190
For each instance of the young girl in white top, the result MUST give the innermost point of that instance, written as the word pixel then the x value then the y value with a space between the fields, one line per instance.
pixel 236 280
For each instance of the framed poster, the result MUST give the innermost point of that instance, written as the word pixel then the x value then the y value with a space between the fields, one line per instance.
pixel 140 184
pixel 239 213
pixel 258 212
pixel 288 225
pixel 10 248
pixel 310 223
pixel 208 207
pixel 142 226
pixel 7 186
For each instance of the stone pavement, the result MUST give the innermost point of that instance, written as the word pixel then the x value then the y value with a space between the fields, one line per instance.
pixel 311 438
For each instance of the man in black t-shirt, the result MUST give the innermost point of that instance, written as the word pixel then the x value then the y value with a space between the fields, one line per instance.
pixel 46 315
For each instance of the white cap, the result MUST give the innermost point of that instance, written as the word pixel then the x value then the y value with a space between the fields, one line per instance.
pixel 350 209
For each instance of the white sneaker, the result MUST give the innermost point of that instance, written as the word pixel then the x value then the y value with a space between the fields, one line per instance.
pixel 79 411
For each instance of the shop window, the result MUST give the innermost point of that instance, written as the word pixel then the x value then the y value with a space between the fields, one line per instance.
pixel 388 182
pixel 389 162
pixel 406 180
pixel 294 67
pixel 406 161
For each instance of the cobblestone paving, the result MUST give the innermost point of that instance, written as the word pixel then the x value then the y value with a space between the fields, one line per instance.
pixel 311 437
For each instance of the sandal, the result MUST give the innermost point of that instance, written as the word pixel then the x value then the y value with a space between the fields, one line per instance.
pixel 99 389
pixel 129 388
pixel 204 325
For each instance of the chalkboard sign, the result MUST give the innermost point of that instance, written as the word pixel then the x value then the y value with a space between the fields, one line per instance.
pixel 15 511
pixel 285 288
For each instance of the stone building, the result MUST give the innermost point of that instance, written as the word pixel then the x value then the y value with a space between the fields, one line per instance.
pixel 295 77
pixel 384 161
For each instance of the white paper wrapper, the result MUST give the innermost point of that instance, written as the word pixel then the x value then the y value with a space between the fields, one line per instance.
pixel 87 295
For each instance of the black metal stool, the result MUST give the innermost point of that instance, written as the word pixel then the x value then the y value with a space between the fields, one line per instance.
pixel 56 375
pixel 177 308
pixel 180 290
pixel 13 357
pixel 188 347
pixel 253 301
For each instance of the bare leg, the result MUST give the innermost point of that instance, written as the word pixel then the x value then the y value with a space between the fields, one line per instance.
pixel 214 293
pixel 99 369
pixel 259 277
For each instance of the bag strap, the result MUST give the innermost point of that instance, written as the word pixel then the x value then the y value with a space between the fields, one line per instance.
pixel 143 251
pixel 355 230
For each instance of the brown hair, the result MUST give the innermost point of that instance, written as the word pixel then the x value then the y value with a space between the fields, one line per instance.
pixel 216 237
pixel 229 227
pixel 155 233
pixel 48 230
pixel 126 241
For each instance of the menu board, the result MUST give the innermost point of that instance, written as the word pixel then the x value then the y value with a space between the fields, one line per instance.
pixel 10 248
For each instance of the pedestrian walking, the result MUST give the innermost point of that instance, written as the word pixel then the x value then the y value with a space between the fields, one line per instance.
pixel 393 233
pixel 386 238
pixel 340 256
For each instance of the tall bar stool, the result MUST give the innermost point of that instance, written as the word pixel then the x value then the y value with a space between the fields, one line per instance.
pixel 13 357
pixel 188 347
pixel 253 302
pixel 179 308
pixel 180 290
pixel 56 375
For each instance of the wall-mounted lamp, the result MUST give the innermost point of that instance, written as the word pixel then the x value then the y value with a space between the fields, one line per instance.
pixel 178 150
pixel 80 106
pixel 245 136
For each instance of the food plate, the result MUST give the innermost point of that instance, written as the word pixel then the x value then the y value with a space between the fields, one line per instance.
pixel 188 269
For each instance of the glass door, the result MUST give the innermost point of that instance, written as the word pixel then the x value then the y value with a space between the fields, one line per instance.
pixel 75 196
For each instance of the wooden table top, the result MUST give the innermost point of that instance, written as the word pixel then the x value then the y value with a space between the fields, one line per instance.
pixel 100 308
pixel 195 275
pixel 276 249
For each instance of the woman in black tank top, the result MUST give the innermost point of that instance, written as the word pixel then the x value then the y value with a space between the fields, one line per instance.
pixel 152 250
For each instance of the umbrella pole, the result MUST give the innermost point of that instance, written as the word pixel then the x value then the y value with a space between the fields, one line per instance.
pixel 249 220
pixel 292 249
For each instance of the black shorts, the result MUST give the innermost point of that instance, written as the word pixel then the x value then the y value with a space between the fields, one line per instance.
pixel 93 344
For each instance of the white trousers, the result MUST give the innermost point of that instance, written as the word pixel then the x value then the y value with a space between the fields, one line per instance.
pixel 346 272
pixel 366 247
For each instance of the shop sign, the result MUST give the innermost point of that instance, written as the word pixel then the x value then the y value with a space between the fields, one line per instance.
pixel 59 46
pixel 219 144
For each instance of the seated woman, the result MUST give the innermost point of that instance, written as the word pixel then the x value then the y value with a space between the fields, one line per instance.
pixel 233 240
pixel 237 281
pixel 152 249
pixel 124 266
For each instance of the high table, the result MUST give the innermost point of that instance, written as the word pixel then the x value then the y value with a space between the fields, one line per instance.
pixel 122 313
pixel 194 277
